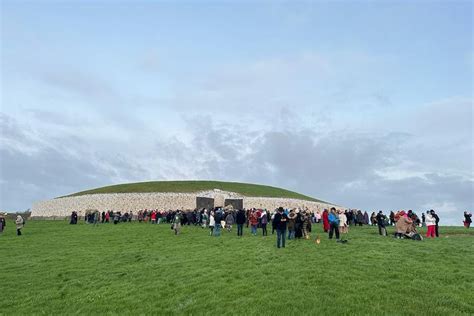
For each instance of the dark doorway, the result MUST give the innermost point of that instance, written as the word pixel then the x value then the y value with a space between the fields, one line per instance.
pixel 204 202
pixel 237 204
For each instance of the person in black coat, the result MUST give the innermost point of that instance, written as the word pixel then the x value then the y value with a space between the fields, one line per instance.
pixel 381 223
pixel 280 221
pixel 436 217
pixel 298 226
pixel 240 220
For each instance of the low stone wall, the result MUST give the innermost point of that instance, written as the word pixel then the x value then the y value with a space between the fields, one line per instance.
pixel 126 202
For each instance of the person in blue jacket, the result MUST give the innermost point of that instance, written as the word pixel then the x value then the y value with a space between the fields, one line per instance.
pixel 333 223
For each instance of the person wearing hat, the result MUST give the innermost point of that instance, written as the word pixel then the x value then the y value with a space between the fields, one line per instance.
pixel 19 224
pixel 291 224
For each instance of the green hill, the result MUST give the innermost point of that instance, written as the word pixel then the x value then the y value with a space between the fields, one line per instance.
pixel 245 189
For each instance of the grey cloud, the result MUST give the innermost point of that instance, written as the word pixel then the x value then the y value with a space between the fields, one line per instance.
pixel 51 168
pixel 340 167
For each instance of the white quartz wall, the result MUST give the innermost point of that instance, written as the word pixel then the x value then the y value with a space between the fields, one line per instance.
pixel 122 202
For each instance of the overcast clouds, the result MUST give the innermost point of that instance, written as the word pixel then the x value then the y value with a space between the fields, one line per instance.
pixel 377 120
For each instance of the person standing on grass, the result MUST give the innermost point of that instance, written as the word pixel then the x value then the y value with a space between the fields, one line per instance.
pixel 177 222
pixel 467 219
pixel 240 220
pixel 253 222
pixel 333 223
pixel 343 228
pixel 19 224
pixel 280 220
pixel 392 218
pixel 3 223
pixel 229 221
pixel 212 223
pixel 430 224
pixel 436 217
pixel 291 224
pixel 264 222
pixel 204 219
pixel 217 218
pixel 325 220
pixel 305 224
pixel 381 223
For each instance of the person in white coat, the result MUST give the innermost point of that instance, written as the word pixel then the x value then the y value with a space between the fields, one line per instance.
pixel 343 227
pixel 430 224
pixel 212 223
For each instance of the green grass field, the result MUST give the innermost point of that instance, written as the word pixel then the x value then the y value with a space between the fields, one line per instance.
pixel 131 268
pixel 245 189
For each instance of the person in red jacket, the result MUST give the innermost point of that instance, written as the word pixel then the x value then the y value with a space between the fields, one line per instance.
pixel 253 222
pixel 325 221
pixel 153 217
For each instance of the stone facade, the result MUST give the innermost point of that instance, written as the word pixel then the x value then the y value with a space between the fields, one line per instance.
pixel 62 207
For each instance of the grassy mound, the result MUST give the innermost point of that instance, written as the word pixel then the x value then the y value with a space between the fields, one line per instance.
pixel 141 269
pixel 245 189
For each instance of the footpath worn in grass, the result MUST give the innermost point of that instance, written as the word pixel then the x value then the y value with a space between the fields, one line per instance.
pixel 246 189
pixel 57 268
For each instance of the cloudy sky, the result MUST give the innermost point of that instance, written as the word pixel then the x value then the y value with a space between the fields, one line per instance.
pixel 364 104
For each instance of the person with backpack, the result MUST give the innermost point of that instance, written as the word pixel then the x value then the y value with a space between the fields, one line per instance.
pixel 333 220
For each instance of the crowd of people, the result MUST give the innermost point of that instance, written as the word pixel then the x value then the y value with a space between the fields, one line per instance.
pixel 296 223
pixel 287 223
